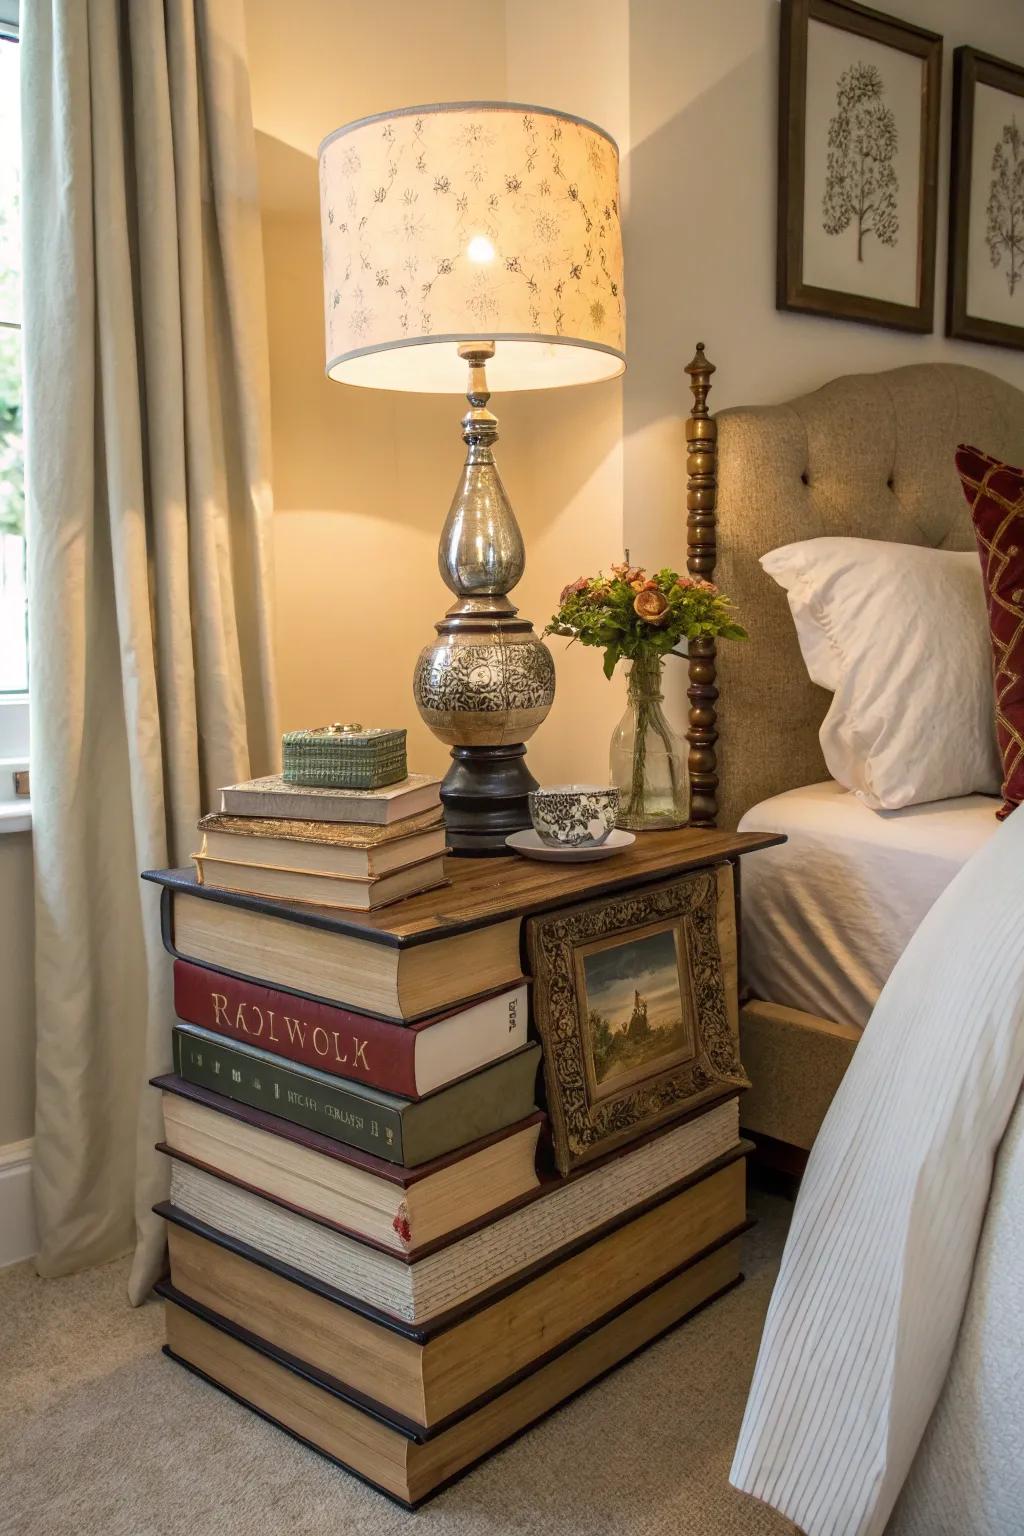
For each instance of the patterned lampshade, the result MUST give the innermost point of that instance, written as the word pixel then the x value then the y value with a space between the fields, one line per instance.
pixel 473 221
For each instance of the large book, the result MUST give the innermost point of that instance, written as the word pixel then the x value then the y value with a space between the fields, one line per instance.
pixel 411 1464
pixel 426 1376
pixel 407 1211
pixel 407 1059
pixel 351 893
pixel 484 1260
pixel 352 958
pixel 272 796
pixel 323 847
pixel 405 1131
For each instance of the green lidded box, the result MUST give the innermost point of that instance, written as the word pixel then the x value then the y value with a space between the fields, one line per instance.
pixel 344 757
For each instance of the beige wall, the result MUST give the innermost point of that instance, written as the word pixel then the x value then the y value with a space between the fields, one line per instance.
pixel 572 439
pixel 700 240
pixel 17 1079
pixel 688 87
pixel 362 478
pixel 700 232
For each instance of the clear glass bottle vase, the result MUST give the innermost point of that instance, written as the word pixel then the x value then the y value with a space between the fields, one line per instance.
pixel 648 758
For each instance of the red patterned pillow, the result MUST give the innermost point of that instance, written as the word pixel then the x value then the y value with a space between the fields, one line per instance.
pixel 995 495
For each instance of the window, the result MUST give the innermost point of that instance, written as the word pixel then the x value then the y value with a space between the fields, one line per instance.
pixel 13 607
pixel 15 814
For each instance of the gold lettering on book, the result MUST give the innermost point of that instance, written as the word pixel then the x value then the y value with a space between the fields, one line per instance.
pixel 256 1021
pixel 296 1031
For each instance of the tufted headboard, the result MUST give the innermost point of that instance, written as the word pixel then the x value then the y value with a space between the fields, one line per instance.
pixel 869 455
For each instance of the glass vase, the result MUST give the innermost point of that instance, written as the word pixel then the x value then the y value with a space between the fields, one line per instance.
pixel 648 758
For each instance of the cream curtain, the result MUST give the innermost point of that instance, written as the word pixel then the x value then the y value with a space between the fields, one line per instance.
pixel 149 549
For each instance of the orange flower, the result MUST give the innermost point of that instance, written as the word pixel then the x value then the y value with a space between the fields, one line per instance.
pixel 651 606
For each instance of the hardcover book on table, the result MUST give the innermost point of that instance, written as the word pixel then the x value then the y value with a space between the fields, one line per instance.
pixel 402 1210
pixel 419 1289
pixel 406 1059
pixel 350 893
pixel 428 1375
pixel 400 1459
pixel 355 959
pixel 406 1131
pixel 273 796
pixel 323 847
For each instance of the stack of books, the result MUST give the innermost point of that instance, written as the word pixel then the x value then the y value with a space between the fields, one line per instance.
pixel 368 1243
pixel 353 848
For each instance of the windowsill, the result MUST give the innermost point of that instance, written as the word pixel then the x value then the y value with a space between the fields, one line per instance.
pixel 15 816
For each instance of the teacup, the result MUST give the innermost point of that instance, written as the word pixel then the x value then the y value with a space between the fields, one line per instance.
pixel 574 815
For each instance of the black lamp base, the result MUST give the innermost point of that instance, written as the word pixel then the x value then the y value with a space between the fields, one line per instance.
pixel 484 797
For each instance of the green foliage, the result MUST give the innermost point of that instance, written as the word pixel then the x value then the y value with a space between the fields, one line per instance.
pixel 635 616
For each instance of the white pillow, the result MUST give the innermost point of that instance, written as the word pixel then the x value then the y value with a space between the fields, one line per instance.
pixel 900 635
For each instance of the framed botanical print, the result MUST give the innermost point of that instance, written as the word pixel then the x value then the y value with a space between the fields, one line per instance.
pixel 858 164
pixel 985 291
pixel 635 1001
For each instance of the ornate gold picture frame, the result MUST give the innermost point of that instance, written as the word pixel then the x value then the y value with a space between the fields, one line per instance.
pixel 635 1004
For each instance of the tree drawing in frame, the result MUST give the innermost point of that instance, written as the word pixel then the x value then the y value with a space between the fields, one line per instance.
pixel 861 182
pixel 1004 231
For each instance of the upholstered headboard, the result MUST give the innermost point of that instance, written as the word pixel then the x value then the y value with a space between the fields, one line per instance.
pixel 869 455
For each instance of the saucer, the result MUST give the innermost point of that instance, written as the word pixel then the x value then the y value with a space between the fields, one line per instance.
pixel 528 843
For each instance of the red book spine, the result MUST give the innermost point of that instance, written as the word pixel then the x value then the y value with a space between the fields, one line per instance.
pixel 298 1029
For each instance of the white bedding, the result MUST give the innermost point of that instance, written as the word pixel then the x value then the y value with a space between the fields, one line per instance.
pixel 863 1343
pixel 827 915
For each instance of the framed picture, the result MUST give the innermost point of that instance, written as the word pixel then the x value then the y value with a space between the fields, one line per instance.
pixel 985 292
pixel 635 1001
pixel 858 164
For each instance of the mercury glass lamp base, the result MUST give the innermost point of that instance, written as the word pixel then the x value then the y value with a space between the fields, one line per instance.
pixel 484 797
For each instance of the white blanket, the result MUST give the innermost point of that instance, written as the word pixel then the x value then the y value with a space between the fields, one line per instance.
pixel 868 1305
pixel 828 913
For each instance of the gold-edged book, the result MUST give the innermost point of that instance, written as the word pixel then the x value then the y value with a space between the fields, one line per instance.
pixel 323 847
pixel 396 1457
pixel 429 1373
pixel 351 893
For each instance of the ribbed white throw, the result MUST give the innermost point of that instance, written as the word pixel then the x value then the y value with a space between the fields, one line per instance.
pixel 867 1308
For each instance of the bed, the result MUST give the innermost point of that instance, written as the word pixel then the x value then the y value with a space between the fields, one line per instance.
pixel 825 918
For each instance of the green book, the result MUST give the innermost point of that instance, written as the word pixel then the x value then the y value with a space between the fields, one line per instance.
pixel 403 1131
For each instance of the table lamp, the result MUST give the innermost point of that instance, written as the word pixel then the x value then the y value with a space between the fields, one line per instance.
pixel 488 233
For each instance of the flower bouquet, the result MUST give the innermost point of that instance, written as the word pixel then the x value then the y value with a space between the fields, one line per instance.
pixel 642 619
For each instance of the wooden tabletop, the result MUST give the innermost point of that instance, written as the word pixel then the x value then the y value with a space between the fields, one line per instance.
pixel 483 891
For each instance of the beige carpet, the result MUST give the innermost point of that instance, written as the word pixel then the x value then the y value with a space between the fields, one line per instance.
pixel 101 1435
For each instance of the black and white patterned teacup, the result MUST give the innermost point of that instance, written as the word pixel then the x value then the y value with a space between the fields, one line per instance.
pixel 574 815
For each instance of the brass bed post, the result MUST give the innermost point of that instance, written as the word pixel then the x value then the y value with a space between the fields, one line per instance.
pixel 701 553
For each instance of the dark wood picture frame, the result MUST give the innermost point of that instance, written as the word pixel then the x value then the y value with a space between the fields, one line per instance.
pixel 791 290
pixel 590 1119
pixel 970 69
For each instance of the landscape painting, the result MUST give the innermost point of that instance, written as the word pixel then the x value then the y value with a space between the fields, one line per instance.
pixel 637 1006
